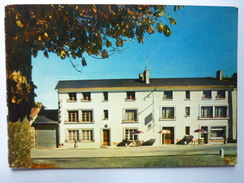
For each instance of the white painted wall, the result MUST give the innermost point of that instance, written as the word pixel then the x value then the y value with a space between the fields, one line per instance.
pixel 146 102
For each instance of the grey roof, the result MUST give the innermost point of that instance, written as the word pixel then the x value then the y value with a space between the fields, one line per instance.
pixel 154 82
pixel 44 120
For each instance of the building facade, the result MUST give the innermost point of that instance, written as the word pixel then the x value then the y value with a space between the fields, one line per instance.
pixel 99 113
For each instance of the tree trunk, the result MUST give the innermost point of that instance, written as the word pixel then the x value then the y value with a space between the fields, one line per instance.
pixel 18 59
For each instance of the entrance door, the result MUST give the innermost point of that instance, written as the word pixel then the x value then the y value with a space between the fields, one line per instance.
pixel 106 137
pixel 205 135
pixel 168 138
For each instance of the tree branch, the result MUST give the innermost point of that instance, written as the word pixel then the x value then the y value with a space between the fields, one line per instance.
pixel 74 66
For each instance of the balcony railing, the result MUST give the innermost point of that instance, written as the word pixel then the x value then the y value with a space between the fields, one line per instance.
pixel 75 122
pixel 206 97
pixel 130 121
pixel 86 100
pixel 71 100
pixel 130 99
pixel 220 97
pixel 213 117
pixel 171 118
pixel 167 98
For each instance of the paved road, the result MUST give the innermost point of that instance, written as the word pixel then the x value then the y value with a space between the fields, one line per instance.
pixel 135 151
pixel 131 157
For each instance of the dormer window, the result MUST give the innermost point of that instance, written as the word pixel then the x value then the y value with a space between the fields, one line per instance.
pixel 131 95
pixel 168 95
pixel 86 96
pixel 207 94
pixel 220 94
pixel 105 96
pixel 187 95
pixel 72 97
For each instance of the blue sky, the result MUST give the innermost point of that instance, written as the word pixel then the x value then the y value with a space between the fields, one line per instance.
pixel 203 41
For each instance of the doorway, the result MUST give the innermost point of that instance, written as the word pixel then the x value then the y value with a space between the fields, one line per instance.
pixel 205 135
pixel 106 137
pixel 168 138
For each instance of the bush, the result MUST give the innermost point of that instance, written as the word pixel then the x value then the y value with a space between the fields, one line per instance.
pixel 19 144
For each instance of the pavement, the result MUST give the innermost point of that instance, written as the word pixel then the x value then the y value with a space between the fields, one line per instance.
pixel 165 150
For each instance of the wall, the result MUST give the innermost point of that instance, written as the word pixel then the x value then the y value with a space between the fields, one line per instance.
pixel 146 103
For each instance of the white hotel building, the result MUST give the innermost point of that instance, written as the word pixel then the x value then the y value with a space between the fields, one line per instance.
pixel 97 113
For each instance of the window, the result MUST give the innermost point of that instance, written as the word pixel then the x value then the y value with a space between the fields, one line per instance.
pixel 105 114
pixel 218 131
pixel 220 94
pixel 105 96
pixel 87 116
pixel 207 112
pixel 221 111
pixel 72 97
pixel 73 116
pixel 168 113
pixel 130 115
pixel 84 135
pixel 87 135
pixel 129 134
pixel 86 96
pixel 207 94
pixel 168 95
pixel 188 95
pixel 214 112
pixel 187 130
pixel 187 111
pixel 131 95
pixel 73 135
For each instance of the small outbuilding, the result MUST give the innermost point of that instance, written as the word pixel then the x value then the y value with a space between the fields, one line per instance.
pixel 46 132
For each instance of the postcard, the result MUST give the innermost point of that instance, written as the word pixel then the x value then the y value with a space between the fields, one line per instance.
pixel 121 86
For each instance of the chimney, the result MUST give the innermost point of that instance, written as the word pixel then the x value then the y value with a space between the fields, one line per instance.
pixel 141 77
pixel 146 76
pixel 219 75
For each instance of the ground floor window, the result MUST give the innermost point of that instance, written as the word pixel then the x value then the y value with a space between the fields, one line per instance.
pixel 87 135
pixel 80 135
pixel 187 130
pixel 73 135
pixel 129 134
pixel 218 131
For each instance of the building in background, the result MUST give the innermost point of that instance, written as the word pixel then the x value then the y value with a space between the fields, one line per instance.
pixel 104 113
